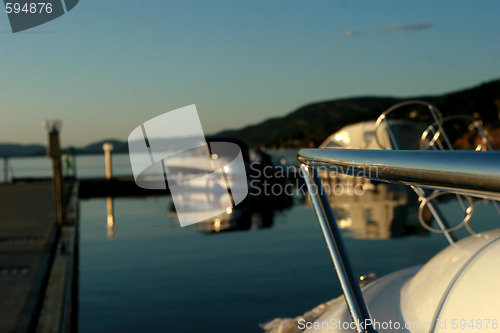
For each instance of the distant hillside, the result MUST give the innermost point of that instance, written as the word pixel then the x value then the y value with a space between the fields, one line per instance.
pixel 96 147
pixel 14 149
pixel 314 122
pixel 311 122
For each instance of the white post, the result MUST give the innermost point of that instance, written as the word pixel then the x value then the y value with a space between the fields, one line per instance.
pixel 107 147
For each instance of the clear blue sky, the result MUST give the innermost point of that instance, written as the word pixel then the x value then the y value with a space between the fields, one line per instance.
pixel 109 65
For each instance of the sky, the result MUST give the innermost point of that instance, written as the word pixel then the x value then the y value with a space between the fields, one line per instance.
pixel 107 66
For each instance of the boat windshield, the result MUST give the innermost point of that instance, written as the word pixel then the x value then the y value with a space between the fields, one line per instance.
pixel 408 134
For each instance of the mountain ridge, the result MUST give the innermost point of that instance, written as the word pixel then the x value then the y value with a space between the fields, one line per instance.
pixel 315 121
pixel 320 119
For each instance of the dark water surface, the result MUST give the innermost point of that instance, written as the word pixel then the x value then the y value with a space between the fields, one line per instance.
pixel 155 276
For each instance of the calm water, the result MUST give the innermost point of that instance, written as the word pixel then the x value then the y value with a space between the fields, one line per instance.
pixel 87 166
pixel 155 276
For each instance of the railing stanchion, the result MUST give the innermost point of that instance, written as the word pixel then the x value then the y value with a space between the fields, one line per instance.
pixel 350 287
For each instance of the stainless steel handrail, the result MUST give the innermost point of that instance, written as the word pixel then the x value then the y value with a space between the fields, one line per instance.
pixel 484 145
pixel 350 286
pixel 473 173
pixel 434 112
pixel 421 192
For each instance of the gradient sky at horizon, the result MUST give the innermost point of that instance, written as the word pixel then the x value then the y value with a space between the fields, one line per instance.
pixel 109 65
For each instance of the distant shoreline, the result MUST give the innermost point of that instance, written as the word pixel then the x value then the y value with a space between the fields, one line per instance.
pixel 313 123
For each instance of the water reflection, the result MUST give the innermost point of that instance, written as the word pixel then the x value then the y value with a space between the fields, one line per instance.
pixel 245 216
pixel 363 209
pixel 111 218
pixel 238 219
pixel 381 211
pixel 258 208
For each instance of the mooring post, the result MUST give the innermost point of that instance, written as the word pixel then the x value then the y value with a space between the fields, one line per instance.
pixel 107 147
pixel 54 152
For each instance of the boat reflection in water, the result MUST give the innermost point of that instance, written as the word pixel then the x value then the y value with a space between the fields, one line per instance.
pixel 380 211
pixel 364 209
pixel 257 209
pixel 241 217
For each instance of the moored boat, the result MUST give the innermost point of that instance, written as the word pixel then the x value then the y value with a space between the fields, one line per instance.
pixel 457 290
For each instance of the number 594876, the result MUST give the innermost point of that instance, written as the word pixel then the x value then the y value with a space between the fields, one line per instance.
pixel 31 8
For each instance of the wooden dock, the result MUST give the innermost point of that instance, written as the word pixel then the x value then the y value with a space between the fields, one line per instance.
pixel 99 187
pixel 37 259
pixel 121 186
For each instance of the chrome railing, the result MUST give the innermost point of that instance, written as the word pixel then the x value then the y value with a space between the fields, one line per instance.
pixel 436 138
pixel 466 172
pixel 348 282
pixel 471 173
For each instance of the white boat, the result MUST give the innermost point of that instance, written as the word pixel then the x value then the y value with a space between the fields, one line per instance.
pixel 368 135
pixel 456 291
pixel 380 210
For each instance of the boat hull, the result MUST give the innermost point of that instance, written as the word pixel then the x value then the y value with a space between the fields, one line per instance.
pixel 456 290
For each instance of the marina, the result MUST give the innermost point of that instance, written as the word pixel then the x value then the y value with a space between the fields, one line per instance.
pixel 67 271
pixel 154 284
pixel 249 166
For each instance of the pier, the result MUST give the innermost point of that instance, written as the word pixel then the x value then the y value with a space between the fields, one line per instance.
pixel 121 186
pixel 39 254
pixel 39 246
pixel 37 258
